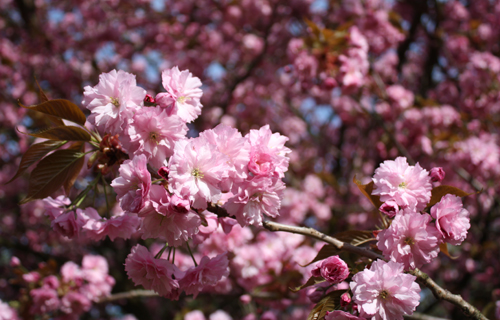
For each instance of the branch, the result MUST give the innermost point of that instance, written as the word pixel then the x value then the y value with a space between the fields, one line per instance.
pixel 443 294
pixel 274 226
pixel 128 295
pixel 421 316
pixel 423 278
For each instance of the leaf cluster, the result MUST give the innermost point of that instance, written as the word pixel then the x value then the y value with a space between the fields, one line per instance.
pixel 55 167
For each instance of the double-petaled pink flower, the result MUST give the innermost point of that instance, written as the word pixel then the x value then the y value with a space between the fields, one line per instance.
pixel 384 292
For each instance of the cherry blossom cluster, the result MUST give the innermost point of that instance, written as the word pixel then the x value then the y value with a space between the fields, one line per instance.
pixel 382 291
pixel 220 167
pixel 72 292
pixel 414 237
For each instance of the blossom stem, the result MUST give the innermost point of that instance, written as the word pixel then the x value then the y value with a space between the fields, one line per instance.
pixel 158 255
pixel 105 194
pixel 82 195
pixel 169 252
pixel 191 253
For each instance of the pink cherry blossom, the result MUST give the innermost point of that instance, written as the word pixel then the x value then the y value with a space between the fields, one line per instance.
pixel 183 94
pixel 254 198
pixel 384 292
pixel 333 269
pixel 154 133
pixel 45 299
pixel 409 186
pixel 452 220
pixel 175 229
pixel 208 273
pixel 6 312
pixel 273 150
pixel 197 169
pixel 69 223
pixel 194 315
pixel 71 272
pixel 113 101
pixel 133 184
pixel 153 274
pixel 410 240
pixel 230 142
pixel 118 226
pixel 75 303
pixel 55 207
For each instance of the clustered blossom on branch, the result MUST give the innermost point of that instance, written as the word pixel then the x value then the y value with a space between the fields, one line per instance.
pixel 221 167
pixel 413 238
pixel 243 175
pixel 69 295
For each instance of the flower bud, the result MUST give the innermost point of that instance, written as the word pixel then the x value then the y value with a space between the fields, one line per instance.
pixel 437 174
pixel 389 208
pixel 345 299
pixel 333 269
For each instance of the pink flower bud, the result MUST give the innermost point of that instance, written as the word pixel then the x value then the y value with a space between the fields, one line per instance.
pixel 149 98
pixel 246 299
pixel 437 174
pixel 163 172
pixel 31 277
pixel 330 83
pixel 15 262
pixel 333 269
pixel 390 208
pixel 345 299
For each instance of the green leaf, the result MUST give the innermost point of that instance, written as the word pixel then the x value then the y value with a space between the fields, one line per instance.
pixel 367 189
pixel 69 133
pixel 326 251
pixel 440 191
pixel 35 153
pixel 355 237
pixel 52 172
pixel 330 302
pixel 310 282
pixel 60 108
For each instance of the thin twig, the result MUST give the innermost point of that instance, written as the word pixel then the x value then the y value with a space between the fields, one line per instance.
pixel 128 295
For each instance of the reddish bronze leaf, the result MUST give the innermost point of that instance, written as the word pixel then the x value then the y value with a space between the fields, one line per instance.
pixel 69 133
pixel 35 153
pixel 326 251
pixel 52 172
pixel 74 171
pixel 330 302
pixel 355 237
pixel 41 94
pixel 444 249
pixel 310 282
pixel 60 108
pixel 440 191
pixel 367 189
